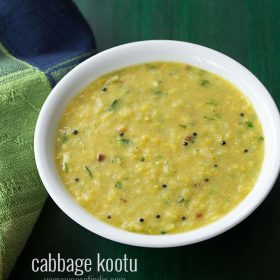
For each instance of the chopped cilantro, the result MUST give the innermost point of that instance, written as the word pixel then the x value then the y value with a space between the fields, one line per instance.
pixel 249 124
pixel 118 185
pixel 115 104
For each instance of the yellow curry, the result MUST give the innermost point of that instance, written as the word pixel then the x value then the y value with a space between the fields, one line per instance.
pixel 159 148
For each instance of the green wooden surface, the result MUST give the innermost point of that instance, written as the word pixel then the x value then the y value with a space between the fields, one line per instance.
pixel 249 32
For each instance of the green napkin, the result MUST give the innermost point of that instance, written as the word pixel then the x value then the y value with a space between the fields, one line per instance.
pixel 39 43
pixel 23 89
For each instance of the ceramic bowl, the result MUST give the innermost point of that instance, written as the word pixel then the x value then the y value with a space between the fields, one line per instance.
pixel 149 51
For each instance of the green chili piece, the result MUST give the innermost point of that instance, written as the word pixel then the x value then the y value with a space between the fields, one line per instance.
pixel 124 141
pixel 151 66
pixel 65 167
pixel 64 138
pixel 88 171
pixel 212 102
pixel 208 118
pixel 204 83
pixel 156 92
pixel 182 125
pixel 158 157
pixel 180 199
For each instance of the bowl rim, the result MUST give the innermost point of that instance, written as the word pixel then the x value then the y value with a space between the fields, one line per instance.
pixel 71 208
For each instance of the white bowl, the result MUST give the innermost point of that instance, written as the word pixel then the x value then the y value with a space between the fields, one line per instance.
pixel 147 51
